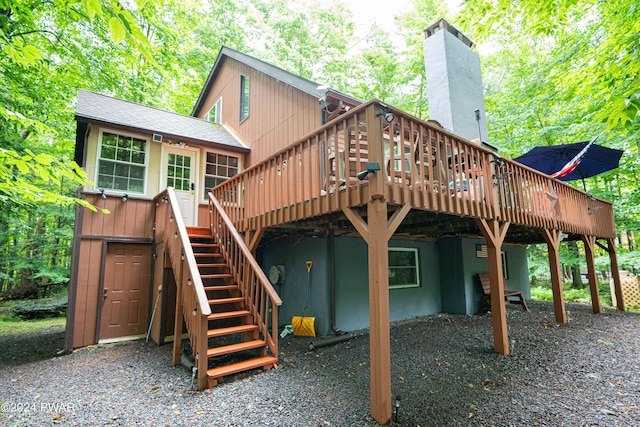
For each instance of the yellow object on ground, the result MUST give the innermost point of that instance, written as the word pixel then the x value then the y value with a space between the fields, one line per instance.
pixel 303 326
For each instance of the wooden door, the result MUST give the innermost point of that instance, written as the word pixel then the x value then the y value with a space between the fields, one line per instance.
pixel 125 296
pixel 180 173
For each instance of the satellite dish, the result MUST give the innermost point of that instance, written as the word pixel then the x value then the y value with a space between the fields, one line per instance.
pixel 276 274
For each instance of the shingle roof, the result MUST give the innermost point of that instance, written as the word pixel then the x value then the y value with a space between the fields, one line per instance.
pixel 94 107
pixel 300 83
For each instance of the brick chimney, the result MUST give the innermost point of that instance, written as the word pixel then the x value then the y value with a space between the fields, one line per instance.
pixel 454 81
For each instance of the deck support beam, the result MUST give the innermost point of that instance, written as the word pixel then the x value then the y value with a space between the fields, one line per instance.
pixel 589 243
pixel 615 272
pixel 376 231
pixel 494 233
pixel 252 239
pixel 553 237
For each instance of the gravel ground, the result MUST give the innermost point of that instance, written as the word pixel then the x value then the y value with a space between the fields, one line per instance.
pixel 585 373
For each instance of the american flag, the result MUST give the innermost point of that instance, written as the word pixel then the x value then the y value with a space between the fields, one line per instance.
pixel 573 163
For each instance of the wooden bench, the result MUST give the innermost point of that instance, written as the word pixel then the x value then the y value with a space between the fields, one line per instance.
pixel 512 297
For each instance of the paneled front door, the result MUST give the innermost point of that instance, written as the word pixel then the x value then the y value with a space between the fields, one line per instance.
pixel 180 173
pixel 125 293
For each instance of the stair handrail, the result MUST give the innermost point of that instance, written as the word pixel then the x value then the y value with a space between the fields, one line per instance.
pixel 192 305
pixel 203 302
pixel 238 255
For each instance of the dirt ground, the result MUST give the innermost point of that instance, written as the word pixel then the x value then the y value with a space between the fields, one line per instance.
pixel 31 347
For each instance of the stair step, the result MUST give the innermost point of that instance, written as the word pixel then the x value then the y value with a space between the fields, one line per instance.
pixel 228 314
pixel 219 265
pixel 246 365
pixel 220 332
pixel 217 276
pixel 221 288
pixel 235 348
pixel 206 255
pixel 226 300
pixel 204 245
pixel 198 232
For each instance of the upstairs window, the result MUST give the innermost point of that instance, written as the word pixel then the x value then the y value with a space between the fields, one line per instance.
pixel 215 113
pixel 218 168
pixel 403 268
pixel 244 97
pixel 121 163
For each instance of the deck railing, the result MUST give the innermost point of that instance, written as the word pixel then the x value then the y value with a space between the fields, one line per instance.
pixel 426 167
pixel 191 298
pixel 261 298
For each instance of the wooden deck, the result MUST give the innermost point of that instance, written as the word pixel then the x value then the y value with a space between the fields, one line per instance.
pixel 426 168
pixel 417 170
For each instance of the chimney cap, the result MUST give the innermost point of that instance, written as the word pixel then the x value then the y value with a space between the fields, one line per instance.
pixel 442 24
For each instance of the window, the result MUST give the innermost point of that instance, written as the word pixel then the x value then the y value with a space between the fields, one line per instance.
pixel 121 163
pixel 179 172
pixel 218 168
pixel 403 268
pixel 244 97
pixel 215 113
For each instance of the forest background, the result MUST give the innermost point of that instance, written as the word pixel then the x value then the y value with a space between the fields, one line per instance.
pixel 555 71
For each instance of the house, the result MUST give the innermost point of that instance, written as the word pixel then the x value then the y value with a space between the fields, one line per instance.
pixel 359 212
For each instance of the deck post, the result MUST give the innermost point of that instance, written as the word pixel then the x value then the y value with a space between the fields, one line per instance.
pixel 494 233
pixel 589 242
pixel 252 239
pixel 615 272
pixel 552 237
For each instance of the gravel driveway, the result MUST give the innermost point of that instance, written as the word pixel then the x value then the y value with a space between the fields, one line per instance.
pixel 586 373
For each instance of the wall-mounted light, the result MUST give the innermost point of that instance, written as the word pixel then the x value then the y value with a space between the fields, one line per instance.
pixel 125 197
pixel 102 195
pixel 371 168
pixel 386 113
pixel 498 161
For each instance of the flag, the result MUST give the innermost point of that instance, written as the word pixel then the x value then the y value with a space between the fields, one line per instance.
pixel 573 163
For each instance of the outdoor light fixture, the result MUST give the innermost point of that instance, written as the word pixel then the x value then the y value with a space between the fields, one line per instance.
pixel 388 115
pixel 498 161
pixel 396 408
pixel 102 195
pixel 371 168
pixel 125 197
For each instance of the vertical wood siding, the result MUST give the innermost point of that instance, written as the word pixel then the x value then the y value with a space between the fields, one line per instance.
pixel 278 113
pixel 132 220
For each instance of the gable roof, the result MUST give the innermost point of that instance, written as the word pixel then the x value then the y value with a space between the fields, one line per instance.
pixel 106 110
pixel 307 86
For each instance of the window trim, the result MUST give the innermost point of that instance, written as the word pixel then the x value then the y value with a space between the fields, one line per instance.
pixel 417 267
pixel 145 138
pixel 245 81
pixel 218 116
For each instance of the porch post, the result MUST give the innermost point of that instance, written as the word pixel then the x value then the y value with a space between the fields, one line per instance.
pixel 589 242
pixel 552 237
pixel 615 272
pixel 494 233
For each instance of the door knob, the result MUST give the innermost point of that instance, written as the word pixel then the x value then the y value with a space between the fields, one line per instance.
pixel 104 293
pixel 193 186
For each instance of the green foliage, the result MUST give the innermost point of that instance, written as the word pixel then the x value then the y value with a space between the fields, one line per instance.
pixel 544 293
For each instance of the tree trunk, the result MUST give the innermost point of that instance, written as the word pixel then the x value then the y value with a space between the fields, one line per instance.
pixel 576 278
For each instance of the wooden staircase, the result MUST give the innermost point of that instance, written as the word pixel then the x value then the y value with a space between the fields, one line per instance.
pixel 234 342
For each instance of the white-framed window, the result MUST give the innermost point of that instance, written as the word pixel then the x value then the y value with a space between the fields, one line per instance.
pixel 244 97
pixel 122 162
pixel 404 270
pixel 214 115
pixel 217 169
